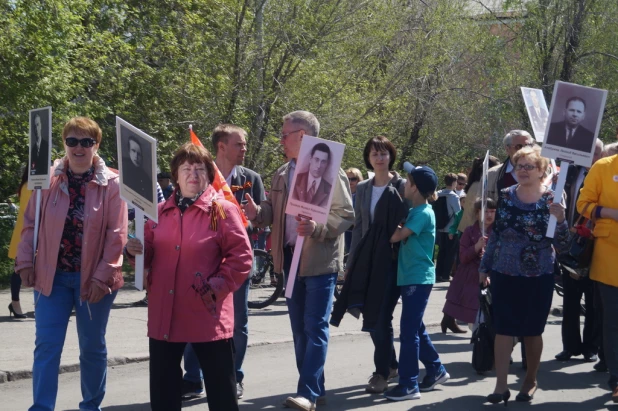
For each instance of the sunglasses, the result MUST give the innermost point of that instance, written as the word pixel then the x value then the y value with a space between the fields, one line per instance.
pixel 353 178
pixel 84 142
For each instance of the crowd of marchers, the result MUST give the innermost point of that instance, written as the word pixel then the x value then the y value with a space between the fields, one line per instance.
pixel 198 258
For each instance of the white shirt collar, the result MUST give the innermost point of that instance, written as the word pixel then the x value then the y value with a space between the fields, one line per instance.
pixel 233 174
pixel 511 169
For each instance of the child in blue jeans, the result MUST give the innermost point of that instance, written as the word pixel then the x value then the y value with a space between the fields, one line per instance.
pixel 416 276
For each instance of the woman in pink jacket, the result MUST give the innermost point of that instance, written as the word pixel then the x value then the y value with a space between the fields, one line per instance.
pixel 81 236
pixel 198 254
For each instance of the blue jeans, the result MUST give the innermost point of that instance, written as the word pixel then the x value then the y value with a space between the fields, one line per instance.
pixel 193 372
pixel 309 309
pixel 52 319
pixel 415 342
pixel 384 355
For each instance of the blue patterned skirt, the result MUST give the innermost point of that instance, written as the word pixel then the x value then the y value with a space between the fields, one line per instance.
pixel 520 305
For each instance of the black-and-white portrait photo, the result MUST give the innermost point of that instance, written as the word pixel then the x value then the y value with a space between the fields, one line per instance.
pixel 136 164
pixel 137 161
pixel 40 136
pixel 575 120
pixel 314 185
pixel 570 132
pixel 317 170
pixel 537 111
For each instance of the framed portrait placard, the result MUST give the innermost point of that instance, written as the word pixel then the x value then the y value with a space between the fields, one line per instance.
pixel 317 170
pixel 537 111
pixel 575 120
pixel 39 157
pixel 137 166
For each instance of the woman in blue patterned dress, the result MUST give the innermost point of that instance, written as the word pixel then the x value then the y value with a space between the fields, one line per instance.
pixel 519 261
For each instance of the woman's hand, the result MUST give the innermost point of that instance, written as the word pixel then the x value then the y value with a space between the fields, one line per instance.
pixel 558 211
pixel 484 279
pixel 97 291
pixel 134 246
pixel 480 244
pixel 27 277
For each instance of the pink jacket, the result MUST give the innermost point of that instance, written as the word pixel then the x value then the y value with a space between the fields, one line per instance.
pixel 105 229
pixel 194 270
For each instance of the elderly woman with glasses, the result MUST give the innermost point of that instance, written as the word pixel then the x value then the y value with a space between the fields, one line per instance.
pixel 198 254
pixel 78 265
pixel 519 264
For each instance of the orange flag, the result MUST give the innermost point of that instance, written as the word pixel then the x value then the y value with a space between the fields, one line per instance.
pixel 219 183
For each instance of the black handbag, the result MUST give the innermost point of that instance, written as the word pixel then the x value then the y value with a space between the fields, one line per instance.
pixel 483 338
pixel 577 257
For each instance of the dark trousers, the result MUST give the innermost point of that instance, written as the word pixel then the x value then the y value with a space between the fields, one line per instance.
pixel 609 296
pixel 384 355
pixel 598 319
pixel 571 336
pixel 216 359
pixel 15 286
pixel 446 256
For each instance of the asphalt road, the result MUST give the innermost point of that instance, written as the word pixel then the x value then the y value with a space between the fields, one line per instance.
pixel 271 376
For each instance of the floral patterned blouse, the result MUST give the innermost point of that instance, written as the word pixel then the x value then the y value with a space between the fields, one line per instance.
pixel 517 245
pixel 70 254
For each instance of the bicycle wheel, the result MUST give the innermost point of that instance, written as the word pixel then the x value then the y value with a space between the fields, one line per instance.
pixel 340 278
pixel 264 285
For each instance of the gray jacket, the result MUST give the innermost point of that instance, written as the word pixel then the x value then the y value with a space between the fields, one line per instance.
pixel 362 206
pixel 453 206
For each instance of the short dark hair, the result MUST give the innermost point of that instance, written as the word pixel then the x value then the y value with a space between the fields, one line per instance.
pixel 222 132
pixel 431 196
pixel 192 154
pixel 491 204
pixel 379 143
pixel 163 175
pixel 135 139
pixel 321 147
pixel 575 98
pixel 450 178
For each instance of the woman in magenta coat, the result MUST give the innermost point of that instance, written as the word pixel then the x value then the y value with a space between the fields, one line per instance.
pixel 462 298
pixel 198 254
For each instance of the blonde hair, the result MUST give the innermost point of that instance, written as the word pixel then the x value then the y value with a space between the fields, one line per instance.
pixel 355 172
pixel 534 154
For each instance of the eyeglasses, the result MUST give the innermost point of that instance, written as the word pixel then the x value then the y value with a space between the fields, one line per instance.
pixel 520 146
pixel 84 142
pixel 284 136
pixel 353 179
pixel 527 167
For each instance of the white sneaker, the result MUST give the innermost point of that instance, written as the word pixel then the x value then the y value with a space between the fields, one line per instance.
pixel 300 403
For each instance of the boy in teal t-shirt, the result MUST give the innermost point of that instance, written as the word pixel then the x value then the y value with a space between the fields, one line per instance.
pixel 416 275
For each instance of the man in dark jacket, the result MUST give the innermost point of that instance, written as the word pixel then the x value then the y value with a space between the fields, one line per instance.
pixel 569 133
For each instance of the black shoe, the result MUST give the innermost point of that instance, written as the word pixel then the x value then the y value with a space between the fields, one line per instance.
pixel 521 397
pixel 191 390
pixel 590 357
pixel 601 366
pixel 524 396
pixel 240 390
pixel 565 356
pixel 498 398
pixel 12 312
